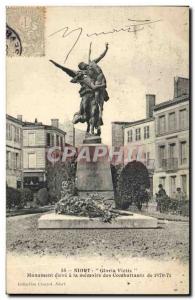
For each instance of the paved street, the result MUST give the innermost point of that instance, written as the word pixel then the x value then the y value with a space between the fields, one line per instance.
pixel 169 241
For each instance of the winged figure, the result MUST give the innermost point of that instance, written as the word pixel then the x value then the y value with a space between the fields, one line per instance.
pixel 92 92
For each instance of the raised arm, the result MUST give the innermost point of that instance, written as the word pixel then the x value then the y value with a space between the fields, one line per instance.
pixel 102 55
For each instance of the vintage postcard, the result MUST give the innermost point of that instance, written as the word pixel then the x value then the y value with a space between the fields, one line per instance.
pixel 97 150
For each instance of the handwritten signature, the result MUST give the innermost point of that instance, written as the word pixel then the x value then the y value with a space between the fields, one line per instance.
pixel 136 26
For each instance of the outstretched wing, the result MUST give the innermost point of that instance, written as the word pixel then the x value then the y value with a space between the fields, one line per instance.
pixel 70 72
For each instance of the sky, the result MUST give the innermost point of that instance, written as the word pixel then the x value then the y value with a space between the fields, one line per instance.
pixel 136 64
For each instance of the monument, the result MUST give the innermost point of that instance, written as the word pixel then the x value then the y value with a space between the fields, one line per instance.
pixel 93 175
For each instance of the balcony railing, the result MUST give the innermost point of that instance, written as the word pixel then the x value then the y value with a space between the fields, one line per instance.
pixel 169 164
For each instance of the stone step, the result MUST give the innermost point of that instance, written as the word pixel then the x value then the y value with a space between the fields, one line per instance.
pixel 59 221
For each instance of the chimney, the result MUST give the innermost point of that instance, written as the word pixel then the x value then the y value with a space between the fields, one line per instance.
pixel 55 123
pixel 181 86
pixel 19 117
pixel 150 103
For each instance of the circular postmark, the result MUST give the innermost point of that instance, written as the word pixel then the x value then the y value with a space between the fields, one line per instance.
pixel 13 42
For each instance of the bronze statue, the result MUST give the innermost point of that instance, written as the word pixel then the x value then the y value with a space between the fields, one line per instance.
pixel 92 92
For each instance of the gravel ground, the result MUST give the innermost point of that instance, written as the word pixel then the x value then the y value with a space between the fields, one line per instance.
pixel 169 242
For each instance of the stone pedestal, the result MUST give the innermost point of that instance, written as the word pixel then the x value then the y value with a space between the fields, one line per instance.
pixel 94 176
pixel 93 171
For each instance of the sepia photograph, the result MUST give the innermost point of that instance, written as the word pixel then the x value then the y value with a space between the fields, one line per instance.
pixel 98 150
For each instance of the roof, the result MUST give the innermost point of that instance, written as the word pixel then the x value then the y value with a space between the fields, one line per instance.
pixel 121 123
pixel 55 128
pixel 26 124
pixel 29 125
pixel 174 101
pixel 140 122
pixel 13 119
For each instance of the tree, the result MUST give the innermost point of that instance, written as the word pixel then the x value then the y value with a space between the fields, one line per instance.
pixel 42 197
pixel 13 197
pixel 133 181
pixel 56 174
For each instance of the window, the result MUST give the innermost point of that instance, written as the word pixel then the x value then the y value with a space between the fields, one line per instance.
pixel 18 166
pixel 183 118
pixel 14 133
pixel 137 134
pixel 9 131
pixel 172 121
pixel 61 143
pixel 21 135
pixel 183 152
pixel 162 181
pixel 14 158
pixel 162 161
pixel 52 140
pixel 129 136
pixel 17 135
pixel 8 162
pixel 11 161
pixel 13 154
pixel 184 183
pixel 172 150
pixel 172 186
pixel 57 140
pixel 48 139
pixel 32 160
pixel 162 126
pixel 146 132
pixel 31 139
pixel 147 158
pixel 148 155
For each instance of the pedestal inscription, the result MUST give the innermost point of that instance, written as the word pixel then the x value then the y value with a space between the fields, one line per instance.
pixel 94 173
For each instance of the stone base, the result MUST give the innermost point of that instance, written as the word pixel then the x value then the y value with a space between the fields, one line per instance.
pixel 92 139
pixel 55 221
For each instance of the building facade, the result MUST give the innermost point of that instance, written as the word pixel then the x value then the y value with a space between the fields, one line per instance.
pixel 139 137
pixel 13 151
pixel 37 139
pixel 161 140
pixel 118 133
pixel 172 145
pixel 27 145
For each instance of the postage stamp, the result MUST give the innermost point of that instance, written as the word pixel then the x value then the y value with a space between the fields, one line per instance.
pixel 25 31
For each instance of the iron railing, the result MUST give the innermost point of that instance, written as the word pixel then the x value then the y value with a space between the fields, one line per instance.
pixel 169 164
